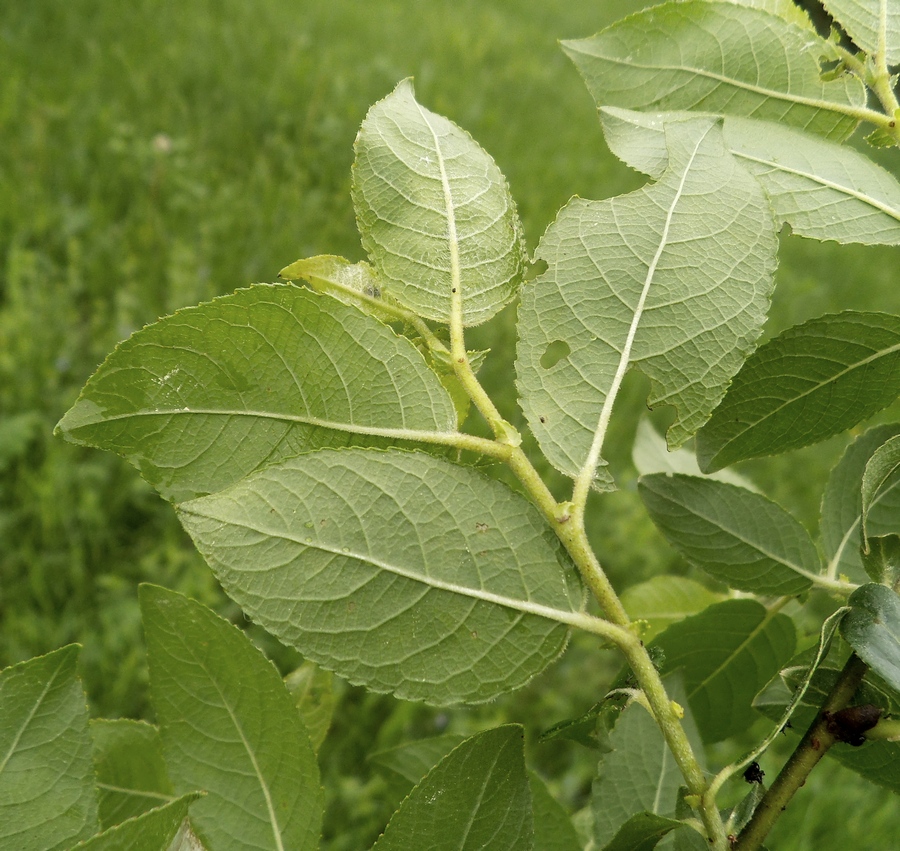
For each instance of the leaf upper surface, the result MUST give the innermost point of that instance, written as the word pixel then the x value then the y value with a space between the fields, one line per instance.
pixel 203 397
pixel 229 728
pixel 874 25
pixel 434 212
pixel 872 629
pixel 155 830
pixel 879 477
pixel 811 382
pixel 47 795
pixel 674 278
pixel 719 58
pixel 397 570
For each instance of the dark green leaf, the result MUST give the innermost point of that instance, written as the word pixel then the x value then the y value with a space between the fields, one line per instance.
pixel 477 797
pixel 131 772
pixel 396 569
pixel 405 765
pixel 47 795
pixel 878 477
pixel 811 382
pixel 203 397
pixel 642 832
pixel 229 728
pixel 737 536
pixel 154 830
pixel 872 629
pixel 553 829
pixel 882 561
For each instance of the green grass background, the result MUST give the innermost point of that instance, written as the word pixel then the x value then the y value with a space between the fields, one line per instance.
pixel 155 154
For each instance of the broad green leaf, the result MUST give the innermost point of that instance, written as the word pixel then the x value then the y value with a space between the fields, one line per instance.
pixel 155 830
pixel 229 728
pixel 872 629
pixel 874 25
pixel 674 278
pixel 313 694
pixel 477 797
pixel 397 570
pixel 718 58
pixel 405 765
pixel 211 393
pixel 47 795
pixel 878 477
pixel 642 832
pixel 553 829
pixel 783 8
pixel 664 600
pixel 434 213
pixel 813 381
pixel 726 654
pixel 739 537
pixel 131 772
pixel 842 505
pixel 822 189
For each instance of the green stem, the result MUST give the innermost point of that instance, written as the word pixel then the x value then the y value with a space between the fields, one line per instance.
pixel 813 746
pixel 886 730
pixel 877 77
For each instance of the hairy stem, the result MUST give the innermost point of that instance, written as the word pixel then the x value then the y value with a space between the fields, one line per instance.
pixel 813 746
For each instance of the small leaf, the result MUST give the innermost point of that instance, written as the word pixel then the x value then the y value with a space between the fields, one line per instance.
pixel 154 830
pixel 435 213
pixel 642 832
pixel 477 797
pixel 872 629
pixel 664 600
pixel 874 25
pixel 882 561
pixel 405 765
pixel 744 809
pixel 719 58
pixel 395 569
pixel 878 477
pixel 313 694
pixel 131 772
pixel 813 381
pixel 737 536
pixel 553 829
pixel 674 279
pixel 47 795
pixel 229 728
pixel 211 393
pixel 726 655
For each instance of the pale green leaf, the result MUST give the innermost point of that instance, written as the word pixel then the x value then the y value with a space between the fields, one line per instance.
pixel 879 476
pixel 842 505
pixel 874 25
pixel 477 797
pixel 229 728
pixel 718 58
pixel 642 832
pixel 131 772
pixel 155 830
pixel 726 654
pixel 872 629
pixel 435 213
pixel 311 687
pixel 739 537
pixel 205 396
pixel 553 829
pixel 664 600
pixel 674 278
pixel 395 569
pixel 47 795
pixel 783 8
pixel 811 382
pixel 823 190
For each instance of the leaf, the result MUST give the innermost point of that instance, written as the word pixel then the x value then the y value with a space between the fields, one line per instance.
pixel 664 600
pixel 872 629
pixel 154 830
pixel 131 772
pixel 313 694
pixel 842 505
pixel 783 8
pixel 739 537
pixel 718 58
pixel 878 477
pixel 405 765
pixel 435 213
pixel 874 25
pixel 726 654
pixel 744 809
pixel 674 278
pixel 207 395
pixel 229 728
pixel 813 381
pixel 397 570
pixel 47 795
pixel 822 189
pixel 642 832
pixel 476 797
pixel 882 562
pixel 553 829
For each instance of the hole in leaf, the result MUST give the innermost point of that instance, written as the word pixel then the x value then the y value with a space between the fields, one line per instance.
pixel 554 353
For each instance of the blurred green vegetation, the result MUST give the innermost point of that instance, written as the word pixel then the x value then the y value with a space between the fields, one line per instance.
pixel 158 153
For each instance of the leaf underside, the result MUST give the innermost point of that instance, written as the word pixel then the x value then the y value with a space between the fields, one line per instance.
pixel 874 25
